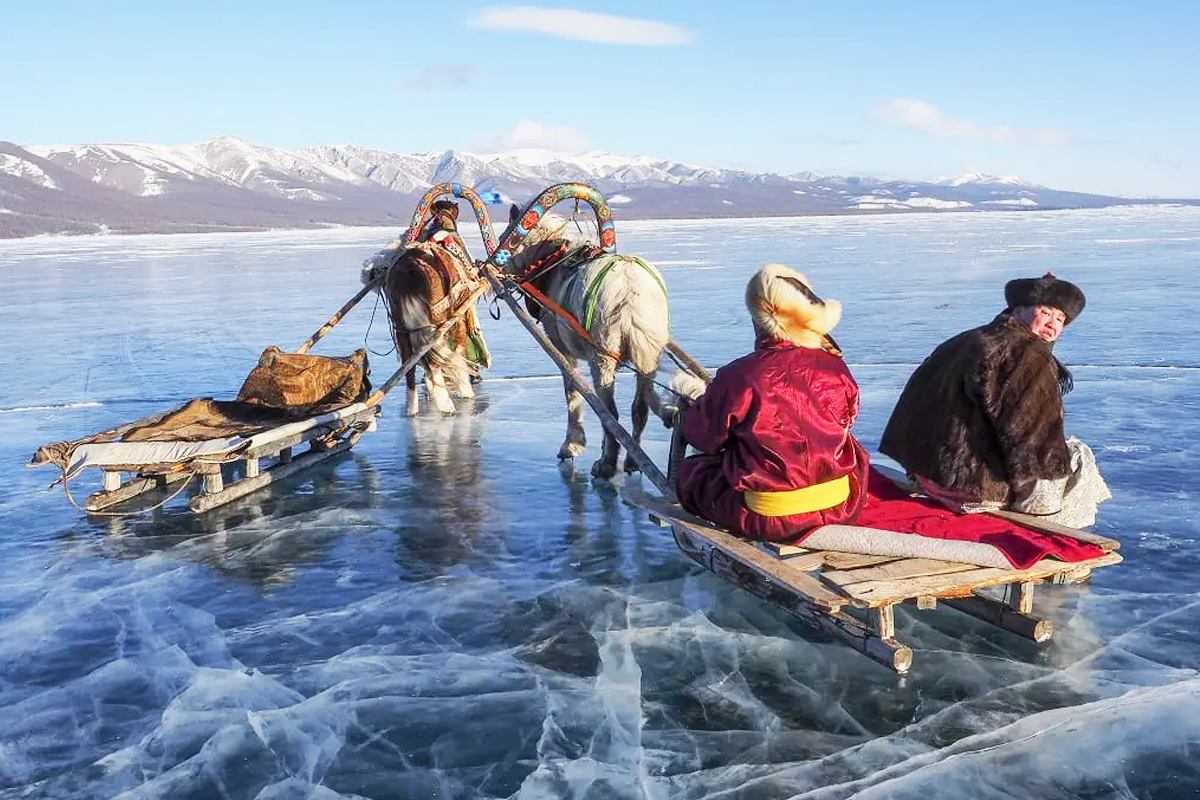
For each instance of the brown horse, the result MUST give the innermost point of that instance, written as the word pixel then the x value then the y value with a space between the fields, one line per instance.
pixel 424 283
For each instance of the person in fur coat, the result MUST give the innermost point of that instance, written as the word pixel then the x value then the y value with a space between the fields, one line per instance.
pixel 776 457
pixel 979 424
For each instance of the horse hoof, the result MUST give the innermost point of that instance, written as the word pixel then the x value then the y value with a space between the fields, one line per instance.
pixel 631 466
pixel 570 450
pixel 603 471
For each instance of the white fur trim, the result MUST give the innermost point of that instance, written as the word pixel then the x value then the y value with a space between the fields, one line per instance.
pixel 783 311
pixel 687 384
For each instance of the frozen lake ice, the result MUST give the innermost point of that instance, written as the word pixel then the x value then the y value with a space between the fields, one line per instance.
pixel 445 612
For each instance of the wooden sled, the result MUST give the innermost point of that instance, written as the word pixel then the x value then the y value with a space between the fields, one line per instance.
pixel 228 471
pixel 231 470
pixel 853 597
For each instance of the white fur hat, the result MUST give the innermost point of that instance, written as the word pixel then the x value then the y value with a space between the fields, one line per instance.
pixel 783 306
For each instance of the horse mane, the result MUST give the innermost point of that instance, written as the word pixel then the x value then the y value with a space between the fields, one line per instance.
pixel 443 215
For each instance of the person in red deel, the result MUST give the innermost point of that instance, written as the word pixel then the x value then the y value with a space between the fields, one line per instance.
pixel 776 457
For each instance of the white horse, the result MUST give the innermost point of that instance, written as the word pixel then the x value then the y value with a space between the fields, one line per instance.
pixel 621 304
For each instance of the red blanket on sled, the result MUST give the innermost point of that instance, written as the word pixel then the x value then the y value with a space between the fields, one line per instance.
pixel 892 508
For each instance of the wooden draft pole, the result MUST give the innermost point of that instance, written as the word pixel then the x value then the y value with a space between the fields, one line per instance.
pixel 684 360
pixel 336 318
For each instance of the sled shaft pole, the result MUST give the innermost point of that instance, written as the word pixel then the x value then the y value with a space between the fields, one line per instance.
pixel 689 363
pixel 336 318
pixel 610 423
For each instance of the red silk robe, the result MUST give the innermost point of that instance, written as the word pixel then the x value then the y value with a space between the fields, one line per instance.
pixel 774 420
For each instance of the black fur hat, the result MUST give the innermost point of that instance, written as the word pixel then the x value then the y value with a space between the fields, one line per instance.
pixel 1045 291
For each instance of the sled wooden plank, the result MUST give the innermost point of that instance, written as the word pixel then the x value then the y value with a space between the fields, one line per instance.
pixel 961 584
pixel 840 560
pixel 771 568
pixel 786 550
pixel 802 556
pixel 804 560
pixel 895 570
pixel 270 443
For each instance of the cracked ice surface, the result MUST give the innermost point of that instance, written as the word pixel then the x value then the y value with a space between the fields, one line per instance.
pixel 445 612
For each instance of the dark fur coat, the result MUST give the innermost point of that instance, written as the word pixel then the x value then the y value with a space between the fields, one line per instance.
pixel 983 414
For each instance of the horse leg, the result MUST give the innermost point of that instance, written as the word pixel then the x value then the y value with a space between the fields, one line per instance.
pixel 404 345
pixel 435 387
pixel 645 400
pixel 576 440
pixel 604 379
pixel 462 378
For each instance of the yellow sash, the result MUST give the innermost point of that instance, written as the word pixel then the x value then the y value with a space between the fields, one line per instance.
pixel 817 497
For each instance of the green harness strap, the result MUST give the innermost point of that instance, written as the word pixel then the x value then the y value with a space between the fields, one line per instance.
pixel 591 294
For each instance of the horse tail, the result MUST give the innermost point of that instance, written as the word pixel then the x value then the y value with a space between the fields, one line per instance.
pixel 412 320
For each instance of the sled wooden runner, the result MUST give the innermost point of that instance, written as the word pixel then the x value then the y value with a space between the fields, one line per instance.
pixel 853 597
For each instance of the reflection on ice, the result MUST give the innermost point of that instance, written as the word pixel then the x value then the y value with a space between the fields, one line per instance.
pixel 448 611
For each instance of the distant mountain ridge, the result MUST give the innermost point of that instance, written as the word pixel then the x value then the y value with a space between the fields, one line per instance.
pixel 231 184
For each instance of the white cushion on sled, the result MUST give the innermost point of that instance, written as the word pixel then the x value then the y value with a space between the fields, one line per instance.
pixel 880 542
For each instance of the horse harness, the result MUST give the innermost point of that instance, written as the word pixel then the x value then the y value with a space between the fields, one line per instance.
pixel 563 258
pixel 451 282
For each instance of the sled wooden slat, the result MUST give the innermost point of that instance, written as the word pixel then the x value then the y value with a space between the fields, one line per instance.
pixel 838 560
pixel 894 570
pixel 1037 523
pixel 961 584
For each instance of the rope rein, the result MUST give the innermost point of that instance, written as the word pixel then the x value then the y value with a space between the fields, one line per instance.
pixel 156 506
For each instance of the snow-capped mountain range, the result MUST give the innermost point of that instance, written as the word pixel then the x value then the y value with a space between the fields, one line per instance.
pixel 231 184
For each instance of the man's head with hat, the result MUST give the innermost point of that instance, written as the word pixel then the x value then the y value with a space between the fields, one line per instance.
pixel 1045 304
pixel 784 307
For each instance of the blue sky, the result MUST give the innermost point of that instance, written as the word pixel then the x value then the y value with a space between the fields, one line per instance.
pixel 1086 96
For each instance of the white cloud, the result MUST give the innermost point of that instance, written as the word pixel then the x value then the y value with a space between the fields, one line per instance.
pixel 443 77
pixel 530 134
pixel 928 118
pixel 583 25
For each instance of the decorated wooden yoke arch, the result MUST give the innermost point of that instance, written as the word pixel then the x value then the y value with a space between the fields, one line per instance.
pixel 421 213
pixel 517 230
